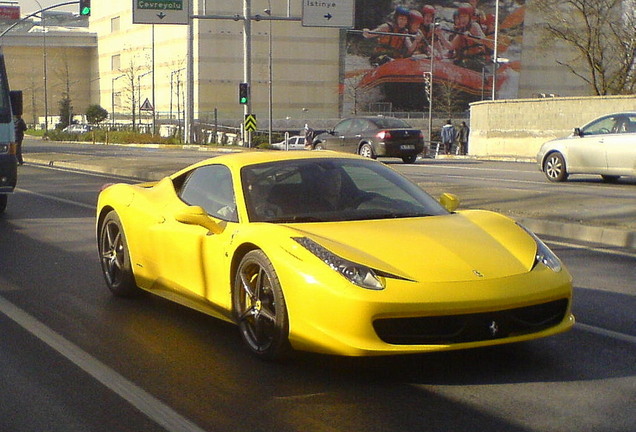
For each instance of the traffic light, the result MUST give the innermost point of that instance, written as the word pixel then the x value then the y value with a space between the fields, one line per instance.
pixel 85 7
pixel 244 93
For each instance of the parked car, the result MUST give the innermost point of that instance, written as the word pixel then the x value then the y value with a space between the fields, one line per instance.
pixel 372 137
pixel 331 253
pixel 77 128
pixel 295 142
pixel 605 146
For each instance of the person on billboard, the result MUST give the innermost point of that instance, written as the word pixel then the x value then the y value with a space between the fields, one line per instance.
pixel 428 28
pixel 415 44
pixel 467 44
pixel 390 45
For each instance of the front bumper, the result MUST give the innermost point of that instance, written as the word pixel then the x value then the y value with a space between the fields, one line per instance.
pixel 406 317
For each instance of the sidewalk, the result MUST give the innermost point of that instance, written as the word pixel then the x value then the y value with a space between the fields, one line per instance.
pixel 605 221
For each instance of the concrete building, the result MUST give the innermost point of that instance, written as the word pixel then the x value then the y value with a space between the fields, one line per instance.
pixel 52 58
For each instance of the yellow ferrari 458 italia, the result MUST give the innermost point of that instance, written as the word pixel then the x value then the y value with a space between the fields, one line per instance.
pixel 330 253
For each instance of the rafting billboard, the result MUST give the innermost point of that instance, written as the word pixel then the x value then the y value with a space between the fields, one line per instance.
pixel 395 48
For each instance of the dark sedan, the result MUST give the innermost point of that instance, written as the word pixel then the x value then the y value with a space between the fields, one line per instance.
pixel 372 137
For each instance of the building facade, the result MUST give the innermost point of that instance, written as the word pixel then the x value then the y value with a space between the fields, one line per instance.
pixel 315 73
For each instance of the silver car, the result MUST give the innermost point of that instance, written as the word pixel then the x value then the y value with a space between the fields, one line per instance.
pixel 605 146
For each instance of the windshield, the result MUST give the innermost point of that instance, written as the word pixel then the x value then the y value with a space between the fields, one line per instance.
pixel 321 190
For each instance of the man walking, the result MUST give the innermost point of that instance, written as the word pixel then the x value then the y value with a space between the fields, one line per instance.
pixel 20 127
pixel 462 137
pixel 448 136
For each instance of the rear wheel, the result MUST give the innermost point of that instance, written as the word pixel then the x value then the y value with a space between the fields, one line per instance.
pixel 554 167
pixel 115 258
pixel 409 159
pixel 3 202
pixel 259 307
pixel 366 151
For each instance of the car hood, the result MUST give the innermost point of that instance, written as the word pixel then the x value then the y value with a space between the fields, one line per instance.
pixel 462 246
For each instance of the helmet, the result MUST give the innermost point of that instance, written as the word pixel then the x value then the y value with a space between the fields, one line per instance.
pixel 401 10
pixel 428 10
pixel 465 9
pixel 415 17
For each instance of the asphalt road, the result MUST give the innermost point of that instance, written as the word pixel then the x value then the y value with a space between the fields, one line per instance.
pixel 73 358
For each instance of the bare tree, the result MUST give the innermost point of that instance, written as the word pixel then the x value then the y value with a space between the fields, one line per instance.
pixel 602 35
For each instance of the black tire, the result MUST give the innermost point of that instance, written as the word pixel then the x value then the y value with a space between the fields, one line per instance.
pixel 259 307
pixel 319 146
pixel 610 178
pixel 3 203
pixel 409 159
pixel 554 167
pixel 115 258
pixel 366 150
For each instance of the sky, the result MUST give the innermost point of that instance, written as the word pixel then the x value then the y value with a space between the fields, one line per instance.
pixel 28 6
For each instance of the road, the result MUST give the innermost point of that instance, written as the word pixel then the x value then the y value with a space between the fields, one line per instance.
pixel 73 358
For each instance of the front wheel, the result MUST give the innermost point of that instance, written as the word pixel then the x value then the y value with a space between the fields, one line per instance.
pixel 554 167
pixel 115 258
pixel 259 307
pixel 319 146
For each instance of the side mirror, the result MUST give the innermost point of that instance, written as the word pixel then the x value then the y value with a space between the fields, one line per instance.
pixel 196 215
pixel 449 201
pixel 577 132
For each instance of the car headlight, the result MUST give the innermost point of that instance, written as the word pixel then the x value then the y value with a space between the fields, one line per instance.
pixel 544 254
pixel 358 274
pixel 4 148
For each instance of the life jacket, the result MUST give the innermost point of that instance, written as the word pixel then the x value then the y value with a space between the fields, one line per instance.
pixel 392 45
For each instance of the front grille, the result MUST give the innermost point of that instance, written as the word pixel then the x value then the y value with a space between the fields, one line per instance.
pixel 451 329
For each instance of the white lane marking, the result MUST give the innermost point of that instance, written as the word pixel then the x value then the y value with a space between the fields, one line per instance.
pixel 61 200
pixel 607 333
pixel 593 249
pixel 152 407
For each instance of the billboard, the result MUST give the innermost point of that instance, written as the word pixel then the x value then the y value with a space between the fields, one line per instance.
pixel 396 48
pixel 9 11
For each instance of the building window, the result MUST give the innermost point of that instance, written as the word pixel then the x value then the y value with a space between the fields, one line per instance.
pixel 115 62
pixel 114 24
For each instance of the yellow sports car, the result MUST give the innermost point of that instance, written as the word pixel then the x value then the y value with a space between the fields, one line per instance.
pixel 330 253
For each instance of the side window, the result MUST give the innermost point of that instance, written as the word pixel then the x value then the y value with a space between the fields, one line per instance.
pixel 342 127
pixel 602 126
pixel 211 188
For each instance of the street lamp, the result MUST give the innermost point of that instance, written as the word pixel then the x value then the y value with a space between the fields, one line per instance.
pixel 430 84
pixel 112 98
pixel 268 11
pixel 46 95
pixel 496 62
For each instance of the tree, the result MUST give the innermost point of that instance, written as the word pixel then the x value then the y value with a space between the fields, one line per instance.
pixel 95 114
pixel 66 111
pixel 602 36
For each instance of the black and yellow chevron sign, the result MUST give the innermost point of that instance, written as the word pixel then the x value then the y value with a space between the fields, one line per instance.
pixel 250 122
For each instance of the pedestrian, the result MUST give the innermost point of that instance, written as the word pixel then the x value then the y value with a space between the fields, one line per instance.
pixel 309 137
pixel 20 127
pixel 462 138
pixel 448 136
